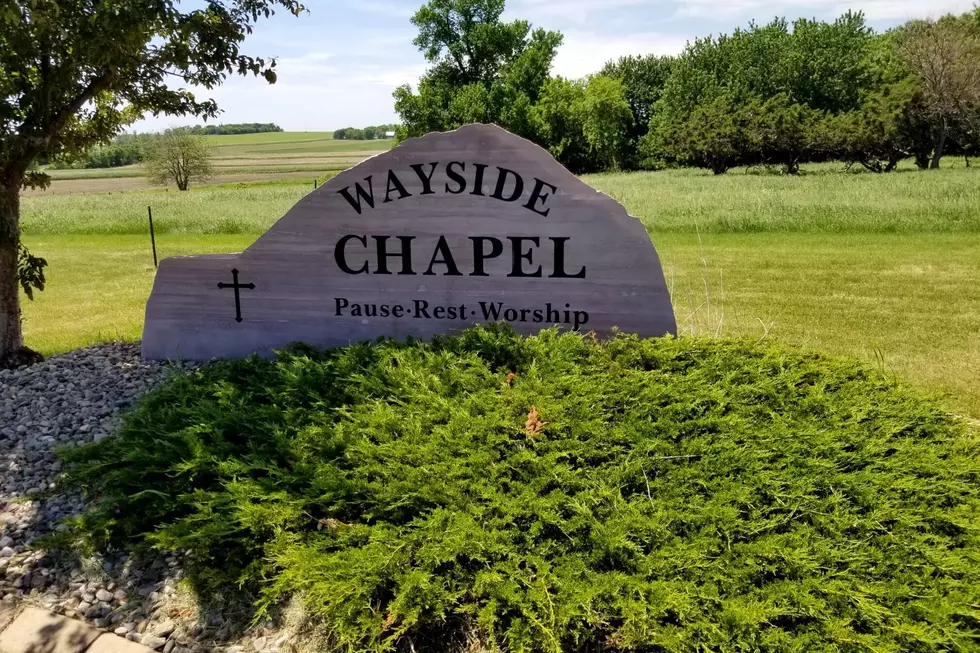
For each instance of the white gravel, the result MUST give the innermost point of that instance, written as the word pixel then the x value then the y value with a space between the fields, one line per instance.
pixel 71 400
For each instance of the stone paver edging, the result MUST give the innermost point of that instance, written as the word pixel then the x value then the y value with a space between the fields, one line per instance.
pixel 39 631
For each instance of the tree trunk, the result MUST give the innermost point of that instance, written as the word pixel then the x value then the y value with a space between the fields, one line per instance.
pixel 10 334
pixel 937 154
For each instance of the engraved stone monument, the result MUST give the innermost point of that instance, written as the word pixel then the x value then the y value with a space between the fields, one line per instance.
pixel 441 232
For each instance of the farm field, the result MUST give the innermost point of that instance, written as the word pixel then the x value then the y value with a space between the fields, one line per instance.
pixel 237 158
pixel 882 267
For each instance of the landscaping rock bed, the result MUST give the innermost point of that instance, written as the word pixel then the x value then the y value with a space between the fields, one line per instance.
pixel 70 400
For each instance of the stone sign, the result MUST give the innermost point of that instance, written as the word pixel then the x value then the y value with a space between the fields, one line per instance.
pixel 441 232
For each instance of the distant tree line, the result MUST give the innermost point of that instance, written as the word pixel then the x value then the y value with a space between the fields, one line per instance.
pixel 234 128
pixel 129 149
pixel 124 150
pixel 365 134
pixel 780 94
pixel 178 155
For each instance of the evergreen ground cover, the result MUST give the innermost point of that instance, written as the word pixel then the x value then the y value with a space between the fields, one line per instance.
pixel 557 493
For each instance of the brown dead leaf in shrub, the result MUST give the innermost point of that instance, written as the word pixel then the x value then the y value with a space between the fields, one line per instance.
pixel 533 425
pixel 330 524
pixel 510 378
pixel 390 621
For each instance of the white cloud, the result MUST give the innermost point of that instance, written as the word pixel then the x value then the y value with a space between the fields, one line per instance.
pixel 585 52
pixel 295 107
pixel 311 63
pixel 317 91
pixel 542 12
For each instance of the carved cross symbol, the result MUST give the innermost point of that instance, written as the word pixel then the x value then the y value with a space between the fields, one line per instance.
pixel 237 286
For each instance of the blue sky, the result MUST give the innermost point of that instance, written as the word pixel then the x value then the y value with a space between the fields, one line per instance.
pixel 339 64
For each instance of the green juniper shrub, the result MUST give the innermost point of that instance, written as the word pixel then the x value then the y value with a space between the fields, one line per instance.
pixel 559 493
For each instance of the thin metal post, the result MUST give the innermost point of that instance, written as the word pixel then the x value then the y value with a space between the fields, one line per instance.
pixel 314 184
pixel 153 239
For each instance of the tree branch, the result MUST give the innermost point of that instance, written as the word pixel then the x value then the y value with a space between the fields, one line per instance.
pixel 34 144
pixel 97 85
pixel 163 71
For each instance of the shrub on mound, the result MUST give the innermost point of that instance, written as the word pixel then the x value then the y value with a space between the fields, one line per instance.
pixel 556 493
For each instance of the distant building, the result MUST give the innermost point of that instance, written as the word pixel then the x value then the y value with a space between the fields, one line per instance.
pixel 389 134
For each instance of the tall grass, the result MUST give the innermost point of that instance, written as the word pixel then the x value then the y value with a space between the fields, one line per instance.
pixel 226 210
pixel 821 200
pixel 678 201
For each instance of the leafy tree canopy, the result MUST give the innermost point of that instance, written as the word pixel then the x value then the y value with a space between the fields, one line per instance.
pixel 367 133
pixel 74 72
pixel 786 94
pixel 944 56
pixel 483 69
pixel 466 39
pixel 178 156
pixel 643 79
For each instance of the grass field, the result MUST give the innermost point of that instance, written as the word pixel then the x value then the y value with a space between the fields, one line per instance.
pixel 242 157
pixel 882 267
pixel 289 143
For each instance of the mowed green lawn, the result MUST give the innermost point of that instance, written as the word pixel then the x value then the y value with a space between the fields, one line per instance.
pixel 882 267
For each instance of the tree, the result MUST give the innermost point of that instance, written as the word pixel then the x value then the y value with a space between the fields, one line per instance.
pixel 967 136
pixel 945 57
pixel 482 69
pixel 883 131
pixel 559 119
pixel 583 123
pixel 828 65
pixel 466 40
pixel 606 118
pixel 802 72
pixel 74 72
pixel 179 157
pixel 718 135
pixel 788 133
pixel 235 128
pixel 643 80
